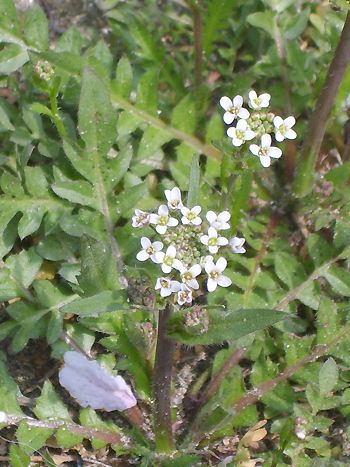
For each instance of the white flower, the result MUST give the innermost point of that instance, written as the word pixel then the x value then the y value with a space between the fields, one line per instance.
pixel 191 216
pixel 167 286
pixel 174 198
pixel 233 109
pixel 162 219
pixel 236 244
pixel 205 259
pixel 149 249
pixel 283 128
pixel 140 218
pixel 215 276
pixel 219 221
pixel 93 386
pixel 258 103
pixel 188 276
pixel 265 151
pixel 184 295
pixel 240 133
pixel 168 259
pixel 213 240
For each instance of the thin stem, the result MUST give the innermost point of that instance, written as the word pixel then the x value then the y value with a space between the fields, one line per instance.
pixel 307 160
pixel 198 46
pixel 162 384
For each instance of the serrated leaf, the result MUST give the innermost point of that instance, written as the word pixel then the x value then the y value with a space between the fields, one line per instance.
pixel 97 118
pixel 49 405
pixel 123 78
pixel 328 376
pixel 319 249
pixel 339 279
pixel 31 438
pixel 80 192
pixel 24 266
pixel 226 325
pixel 289 270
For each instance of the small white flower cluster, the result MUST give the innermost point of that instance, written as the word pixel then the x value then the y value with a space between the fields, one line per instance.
pixel 187 239
pixel 257 124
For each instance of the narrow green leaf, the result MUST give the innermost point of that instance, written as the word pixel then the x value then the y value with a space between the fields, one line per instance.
pixel 147 98
pixel 225 325
pixel 5 122
pixel 80 192
pixel 96 304
pixel 123 79
pixel 194 182
pixel 328 376
pixel 263 20
pixel 216 17
pixel 54 327
pixel 339 279
pixel 36 27
pixel 12 57
pixel 18 457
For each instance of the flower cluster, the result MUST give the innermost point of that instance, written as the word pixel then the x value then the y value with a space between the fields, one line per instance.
pixel 189 243
pixel 258 123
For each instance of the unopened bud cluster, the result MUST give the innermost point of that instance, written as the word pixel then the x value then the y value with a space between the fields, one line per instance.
pixel 257 123
pixel 187 248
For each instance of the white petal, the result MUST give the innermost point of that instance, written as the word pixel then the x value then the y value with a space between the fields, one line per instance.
pixel 184 211
pixel 225 102
pixel 184 220
pixel 265 99
pixel 290 134
pixel 196 210
pixel 166 268
pixel 209 266
pixel 176 193
pixel 274 152
pixel 145 242
pixel 213 249
pixel 249 134
pixel 172 222
pixel 279 137
pixel 237 101
pixel 171 251
pixel 224 226
pixel 224 281
pixel 254 148
pixel 193 284
pixel 212 232
pixel 266 141
pixel 265 161
pixel 237 142
pixel 243 113
pixel 158 284
pixel 159 257
pixel 197 221
pixel 175 286
pixel 195 270
pixel 204 239
pixel 158 246
pixel 211 285
pixel 211 217
pixel 224 216
pixel 161 229
pixel 289 121
pixel 228 118
pixel 177 264
pixel 221 264
pixel 252 95
pixel 153 218
pixel 167 194
pixel 142 255
pixel 165 292
pixel 277 121
pixel 222 241
pixel 231 132
pixel 241 125
pixel 163 210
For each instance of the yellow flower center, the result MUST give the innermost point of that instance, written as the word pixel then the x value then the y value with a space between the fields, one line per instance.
pixel 283 129
pixel 187 276
pixel 240 134
pixel 212 241
pixel 191 215
pixel 163 220
pixel 165 284
pixel 263 152
pixel 214 275
pixel 168 260
pixel 233 110
pixel 150 250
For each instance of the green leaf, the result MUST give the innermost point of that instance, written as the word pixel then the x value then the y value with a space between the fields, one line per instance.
pixel 5 122
pixel 8 17
pixel 97 304
pixel 240 198
pixel 12 57
pixel 289 270
pixel 328 376
pixel 24 266
pixel 226 325
pixel 339 279
pixel 184 115
pixel 194 182
pixel 216 17
pixel 147 98
pixel 31 438
pixel 54 327
pixel 90 419
pixel 8 286
pixel 263 20
pixel 18 457
pixel 49 405
pixel 36 27
pixel 123 79
pixel 97 118
pixel 326 320
pixel 319 249
pixel 151 141
pixel 80 192
pixel 98 268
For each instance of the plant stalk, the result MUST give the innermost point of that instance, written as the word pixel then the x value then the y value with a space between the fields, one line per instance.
pixel 307 160
pixel 162 384
pixel 198 49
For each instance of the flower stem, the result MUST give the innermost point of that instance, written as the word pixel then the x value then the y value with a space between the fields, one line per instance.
pixel 162 384
pixel 317 127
